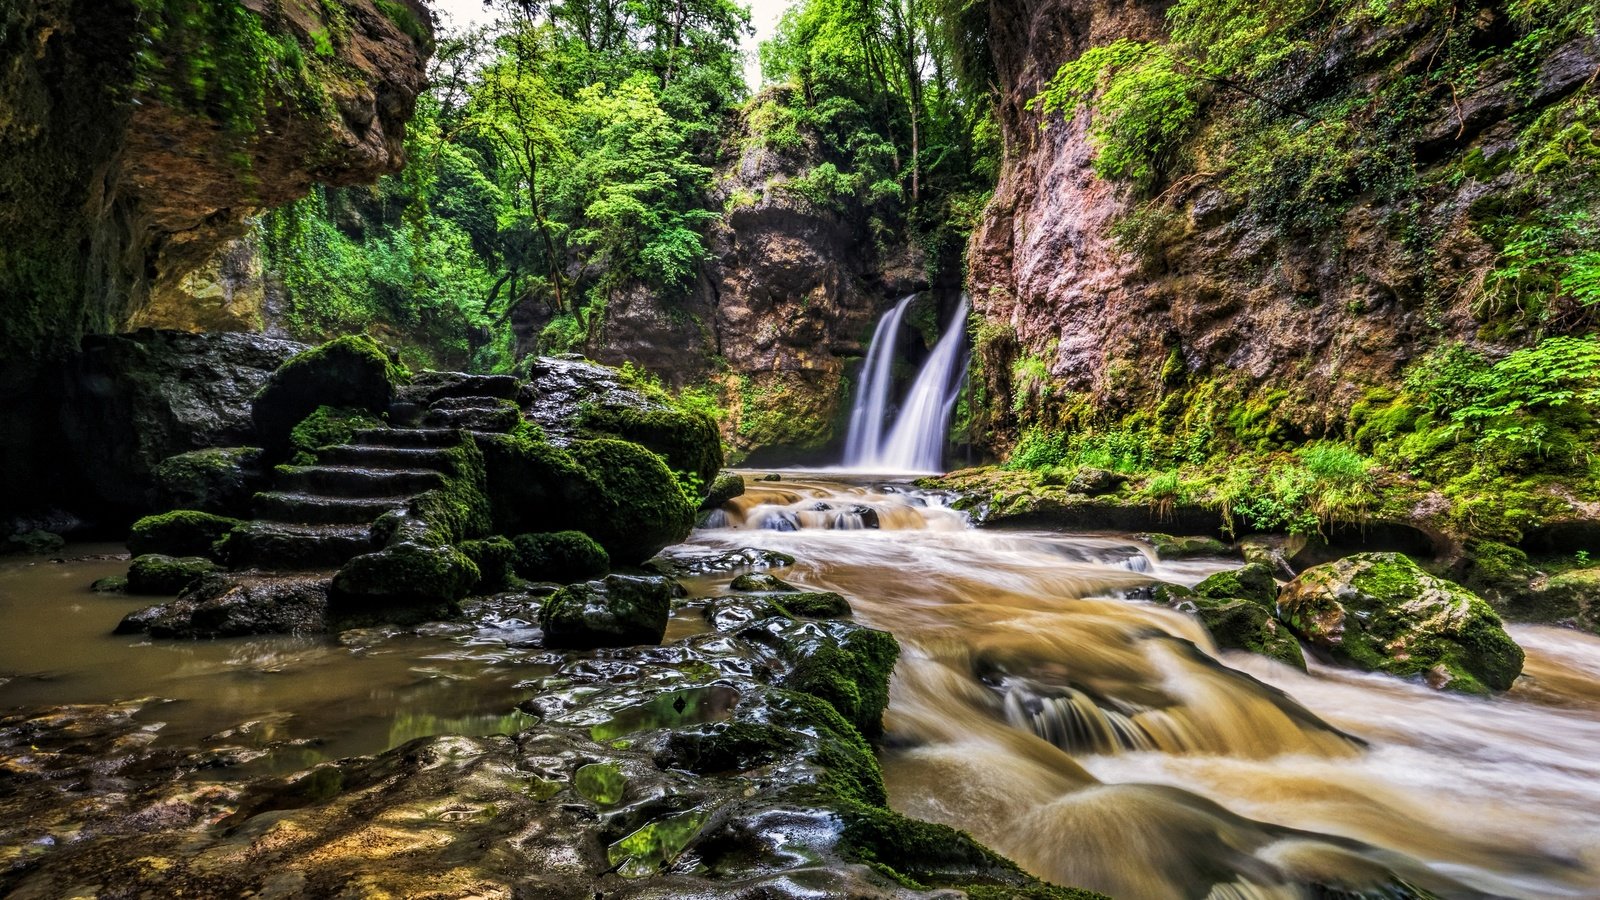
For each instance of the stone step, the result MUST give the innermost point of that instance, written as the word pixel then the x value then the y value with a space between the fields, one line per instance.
pixel 292 547
pixel 318 509
pixel 474 418
pixel 357 481
pixel 378 457
pixel 427 387
pixel 408 437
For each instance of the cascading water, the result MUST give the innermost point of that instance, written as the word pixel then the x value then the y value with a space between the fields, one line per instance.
pixel 915 442
pixel 872 402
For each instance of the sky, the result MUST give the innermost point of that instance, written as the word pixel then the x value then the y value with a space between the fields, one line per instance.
pixel 764 15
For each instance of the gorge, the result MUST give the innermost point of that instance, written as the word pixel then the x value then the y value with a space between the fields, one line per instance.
pixel 1017 449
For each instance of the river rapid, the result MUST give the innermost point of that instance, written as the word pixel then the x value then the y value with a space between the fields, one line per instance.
pixel 1098 740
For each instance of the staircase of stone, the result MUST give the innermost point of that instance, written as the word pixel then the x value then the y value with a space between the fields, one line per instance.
pixel 318 517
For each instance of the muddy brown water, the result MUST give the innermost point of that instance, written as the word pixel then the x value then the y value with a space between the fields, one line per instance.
pixel 1099 741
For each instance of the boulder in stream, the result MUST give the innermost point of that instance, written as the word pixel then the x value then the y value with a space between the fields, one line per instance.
pixel 157 573
pixel 1383 613
pixel 619 611
pixel 1235 623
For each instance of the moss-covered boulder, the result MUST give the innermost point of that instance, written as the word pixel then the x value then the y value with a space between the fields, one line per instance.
pixel 353 372
pixel 1253 582
pixel 847 666
pixel 688 441
pixel 182 532
pixel 36 542
pixel 559 556
pixel 156 573
pixel 1168 546
pixel 218 480
pixel 619 611
pixel 404 574
pixel 1235 623
pixel 727 486
pixel 1381 612
pixel 813 605
pixel 493 556
pixel 634 506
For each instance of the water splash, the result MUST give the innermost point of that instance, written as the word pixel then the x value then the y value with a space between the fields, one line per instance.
pixel 916 440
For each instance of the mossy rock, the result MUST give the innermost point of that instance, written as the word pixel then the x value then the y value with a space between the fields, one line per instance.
pixel 1092 482
pixel 761 581
pixel 352 372
pixel 1569 598
pixel 406 573
pixel 1168 546
pixel 1383 613
pixel 37 542
pixel 1247 625
pixel 1495 570
pixel 328 426
pixel 619 611
pixel 493 556
pixel 564 556
pixel 635 506
pixel 847 666
pixel 813 605
pixel 157 573
pixel 1253 582
pixel 727 486
pixel 220 480
pixel 688 441
pixel 182 532
pixel 111 584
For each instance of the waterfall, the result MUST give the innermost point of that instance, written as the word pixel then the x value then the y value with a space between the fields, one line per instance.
pixel 916 440
pixel 872 400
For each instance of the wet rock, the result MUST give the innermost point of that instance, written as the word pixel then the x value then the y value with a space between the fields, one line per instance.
pixel 727 486
pixel 132 401
pixel 684 562
pixel 183 532
pixel 562 556
pixel 493 556
pixel 36 542
pixel 406 573
pixel 1570 599
pixel 1168 546
pixel 155 573
pixel 761 581
pixel 111 584
pixel 219 480
pixel 771 476
pixel 1383 613
pixel 219 606
pixel 1234 623
pixel 619 611
pixel 1254 582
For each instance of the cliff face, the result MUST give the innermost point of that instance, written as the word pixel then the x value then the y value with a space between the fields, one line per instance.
pixel 783 309
pixel 138 135
pixel 1213 289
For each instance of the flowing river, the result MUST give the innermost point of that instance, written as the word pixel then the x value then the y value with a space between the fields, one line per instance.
pixel 1098 740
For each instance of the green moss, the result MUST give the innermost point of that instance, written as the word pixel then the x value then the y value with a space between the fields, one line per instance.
pixel 689 441
pixel 633 506
pixel 727 486
pixel 111 584
pixel 183 532
pixel 493 556
pixel 1167 546
pixel 850 671
pixel 761 581
pixel 559 556
pixel 155 573
pixel 327 427
pixel 408 22
pixel 620 611
pixel 1254 582
pixel 812 605
pixel 1249 626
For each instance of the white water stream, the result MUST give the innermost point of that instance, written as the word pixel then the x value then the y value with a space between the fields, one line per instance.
pixel 915 440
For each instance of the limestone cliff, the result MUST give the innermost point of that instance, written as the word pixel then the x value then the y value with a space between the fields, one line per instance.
pixel 1212 285
pixel 782 311
pixel 137 136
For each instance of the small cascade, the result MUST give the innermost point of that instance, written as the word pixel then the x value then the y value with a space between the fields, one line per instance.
pixel 915 442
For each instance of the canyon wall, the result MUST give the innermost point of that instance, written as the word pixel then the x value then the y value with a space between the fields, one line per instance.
pixel 1215 289
pixel 138 135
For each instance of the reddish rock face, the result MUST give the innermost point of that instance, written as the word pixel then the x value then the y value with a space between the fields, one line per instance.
pixel 1320 316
